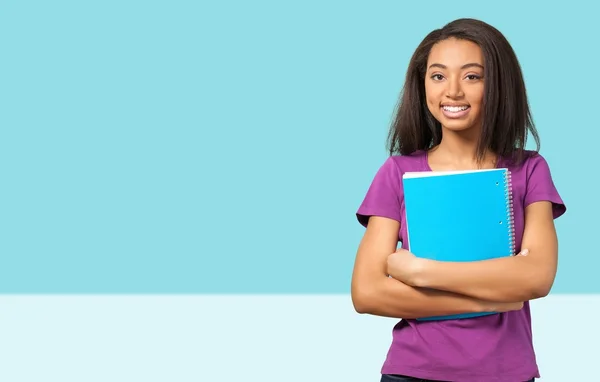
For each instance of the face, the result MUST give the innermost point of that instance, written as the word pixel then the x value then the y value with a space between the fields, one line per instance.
pixel 454 84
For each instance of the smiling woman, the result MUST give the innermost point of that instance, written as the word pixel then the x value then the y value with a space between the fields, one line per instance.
pixel 454 83
pixel 464 106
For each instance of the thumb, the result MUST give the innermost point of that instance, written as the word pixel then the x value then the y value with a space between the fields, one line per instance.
pixel 523 252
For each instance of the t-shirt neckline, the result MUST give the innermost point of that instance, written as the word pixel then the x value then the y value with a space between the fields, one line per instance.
pixel 425 161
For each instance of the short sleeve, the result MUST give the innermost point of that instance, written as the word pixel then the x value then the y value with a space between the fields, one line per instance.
pixel 384 195
pixel 540 186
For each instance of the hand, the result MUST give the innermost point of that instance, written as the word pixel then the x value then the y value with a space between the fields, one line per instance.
pixel 405 267
pixel 524 252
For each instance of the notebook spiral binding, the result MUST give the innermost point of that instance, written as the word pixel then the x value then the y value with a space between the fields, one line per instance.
pixel 510 211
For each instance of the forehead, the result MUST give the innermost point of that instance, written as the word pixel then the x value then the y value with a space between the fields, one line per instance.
pixel 455 53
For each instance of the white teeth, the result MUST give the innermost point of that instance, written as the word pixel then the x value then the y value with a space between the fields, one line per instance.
pixel 455 109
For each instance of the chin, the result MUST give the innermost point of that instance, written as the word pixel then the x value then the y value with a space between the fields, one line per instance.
pixel 458 127
pixel 454 125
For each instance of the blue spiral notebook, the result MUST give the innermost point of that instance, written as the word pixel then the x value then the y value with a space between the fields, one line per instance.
pixel 459 216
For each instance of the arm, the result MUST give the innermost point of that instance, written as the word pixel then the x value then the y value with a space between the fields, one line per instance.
pixel 375 293
pixel 516 278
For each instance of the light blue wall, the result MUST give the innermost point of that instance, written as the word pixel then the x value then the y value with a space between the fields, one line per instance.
pixel 223 147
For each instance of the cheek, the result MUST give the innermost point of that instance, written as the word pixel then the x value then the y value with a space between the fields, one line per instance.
pixel 431 99
pixel 431 105
pixel 477 105
pixel 476 96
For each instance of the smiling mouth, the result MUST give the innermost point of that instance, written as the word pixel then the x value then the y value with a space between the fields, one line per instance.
pixel 457 111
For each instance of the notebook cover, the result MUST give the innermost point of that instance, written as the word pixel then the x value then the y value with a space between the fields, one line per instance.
pixel 459 216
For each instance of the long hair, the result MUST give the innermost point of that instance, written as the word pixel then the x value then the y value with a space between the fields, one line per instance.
pixel 506 115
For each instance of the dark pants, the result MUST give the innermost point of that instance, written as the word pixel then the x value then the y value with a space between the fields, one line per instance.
pixel 403 378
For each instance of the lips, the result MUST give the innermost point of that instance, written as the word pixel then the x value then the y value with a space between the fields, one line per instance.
pixel 455 111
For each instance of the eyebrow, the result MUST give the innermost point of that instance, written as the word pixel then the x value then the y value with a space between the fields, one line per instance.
pixel 465 66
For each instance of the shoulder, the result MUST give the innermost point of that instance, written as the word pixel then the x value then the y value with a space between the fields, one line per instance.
pixel 535 179
pixel 416 161
pixel 532 161
pixel 533 168
pixel 394 167
pixel 385 195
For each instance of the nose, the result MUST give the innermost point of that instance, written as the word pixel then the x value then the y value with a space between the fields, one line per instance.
pixel 454 89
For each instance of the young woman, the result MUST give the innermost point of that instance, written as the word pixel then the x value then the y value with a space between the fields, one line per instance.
pixel 464 106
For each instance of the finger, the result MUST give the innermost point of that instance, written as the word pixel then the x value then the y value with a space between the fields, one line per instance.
pixel 524 252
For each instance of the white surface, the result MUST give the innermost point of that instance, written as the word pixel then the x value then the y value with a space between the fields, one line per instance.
pixel 250 338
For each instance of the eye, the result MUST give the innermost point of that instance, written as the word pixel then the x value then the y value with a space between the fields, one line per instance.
pixel 437 77
pixel 473 77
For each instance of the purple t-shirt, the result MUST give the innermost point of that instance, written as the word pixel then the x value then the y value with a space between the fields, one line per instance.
pixel 493 348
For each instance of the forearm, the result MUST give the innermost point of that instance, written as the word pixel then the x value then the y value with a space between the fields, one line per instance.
pixel 528 276
pixel 507 279
pixel 391 298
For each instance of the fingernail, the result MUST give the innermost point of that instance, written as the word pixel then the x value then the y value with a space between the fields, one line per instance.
pixel 524 252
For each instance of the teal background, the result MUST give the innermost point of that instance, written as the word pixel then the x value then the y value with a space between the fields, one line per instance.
pixel 223 147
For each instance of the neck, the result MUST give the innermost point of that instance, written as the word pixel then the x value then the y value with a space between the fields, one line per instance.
pixel 459 150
